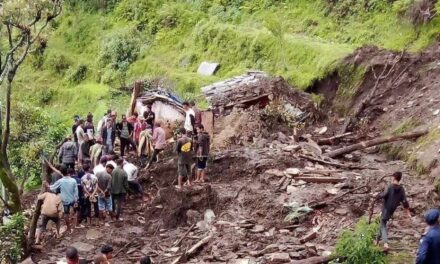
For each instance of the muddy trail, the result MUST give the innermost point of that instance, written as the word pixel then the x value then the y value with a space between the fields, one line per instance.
pixel 274 194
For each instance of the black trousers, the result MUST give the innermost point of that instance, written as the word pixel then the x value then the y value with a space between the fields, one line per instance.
pixel 88 208
pixel 154 155
pixel 125 144
pixel 118 204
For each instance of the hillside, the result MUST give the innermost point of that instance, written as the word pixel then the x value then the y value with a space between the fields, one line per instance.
pixel 92 51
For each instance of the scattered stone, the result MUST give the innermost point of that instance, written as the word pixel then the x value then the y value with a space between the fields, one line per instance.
pixel 207 68
pixel 284 231
pixel 279 257
pixel 332 191
pixel 295 255
pixel 292 171
pixel 436 112
pixel 84 247
pixel 192 216
pixel 241 261
pixel 291 148
pixel 135 230
pixel 292 189
pixel 274 172
pixel 209 216
pixel 258 229
pixel 174 249
pixel 341 211
pixel 93 234
pixel 119 241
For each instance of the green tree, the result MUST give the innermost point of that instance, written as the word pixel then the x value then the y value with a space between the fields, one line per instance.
pixel 21 25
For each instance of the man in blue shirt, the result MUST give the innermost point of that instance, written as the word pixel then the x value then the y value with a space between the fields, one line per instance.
pixel 68 192
pixel 429 249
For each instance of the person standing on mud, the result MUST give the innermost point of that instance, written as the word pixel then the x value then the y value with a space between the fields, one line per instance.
pixel 159 141
pixel 68 153
pixel 74 127
pixel 202 153
pixel 197 115
pixel 190 121
pixel 82 138
pixel 119 188
pixel 125 133
pixel 429 249
pixel 149 117
pixel 51 210
pixel 132 174
pixel 68 192
pixel 108 135
pixel 90 188
pixel 184 158
pixel 105 204
pixel 392 197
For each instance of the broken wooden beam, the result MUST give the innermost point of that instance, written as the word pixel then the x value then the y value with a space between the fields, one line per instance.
pixel 320 179
pixel 331 140
pixel 337 165
pixel 315 260
pixel 177 243
pixel 375 142
pixel 310 236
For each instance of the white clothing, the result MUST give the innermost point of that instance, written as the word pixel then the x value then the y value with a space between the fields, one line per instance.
pixel 80 135
pixel 131 171
pixel 98 168
pixel 188 126
pixel 112 163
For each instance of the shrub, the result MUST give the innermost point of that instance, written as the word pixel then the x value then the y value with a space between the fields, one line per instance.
pixel 78 74
pixel 12 240
pixel 46 95
pixel 119 50
pixel 357 247
pixel 57 63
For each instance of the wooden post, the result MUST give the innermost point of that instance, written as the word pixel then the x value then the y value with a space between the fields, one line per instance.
pixel 137 88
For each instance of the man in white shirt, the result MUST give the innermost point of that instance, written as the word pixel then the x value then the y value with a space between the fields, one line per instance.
pixel 132 173
pixel 189 119
pixel 101 166
pixel 81 135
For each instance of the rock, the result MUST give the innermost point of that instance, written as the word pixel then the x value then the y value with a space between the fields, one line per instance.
pixel 93 234
pixel 267 250
pixel 135 230
pixel 174 249
pixel 83 247
pixel 291 148
pixel 27 261
pixel 279 257
pixel 291 189
pixel 192 216
pixel 209 216
pixel 436 112
pixel 295 255
pixel 292 171
pixel 321 130
pixel 341 211
pixel 242 261
pixel 258 229
pixel 274 172
pixel 284 231
pixel 119 241
pixel 332 191
pixel 282 138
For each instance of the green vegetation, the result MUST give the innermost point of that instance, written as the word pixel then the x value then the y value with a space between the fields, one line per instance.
pixel 12 239
pixel 94 49
pixel 357 247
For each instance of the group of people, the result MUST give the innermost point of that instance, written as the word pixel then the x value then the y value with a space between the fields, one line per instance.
pixel 392 197
pixel 90 184
pixel 104 257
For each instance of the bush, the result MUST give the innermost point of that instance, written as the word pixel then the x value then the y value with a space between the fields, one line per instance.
pixel 57 63
pixel 357 247
pixel 33 132
pixel 12 240
pixel 119 50
pixel 78 74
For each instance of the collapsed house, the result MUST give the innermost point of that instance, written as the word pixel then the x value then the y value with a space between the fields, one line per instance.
pixel 256 88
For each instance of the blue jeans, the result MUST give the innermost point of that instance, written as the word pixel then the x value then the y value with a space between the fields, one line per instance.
pixel 105 204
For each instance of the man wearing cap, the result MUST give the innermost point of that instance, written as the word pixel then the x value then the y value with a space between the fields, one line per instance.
pixel 429 249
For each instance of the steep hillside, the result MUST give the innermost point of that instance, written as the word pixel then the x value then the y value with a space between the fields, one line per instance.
pixel 92 50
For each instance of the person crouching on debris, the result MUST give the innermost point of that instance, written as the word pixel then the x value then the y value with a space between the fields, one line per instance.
pixel 107 251
pixel 392 197
pixel 429 249
pixel 184 157
pixel 202 152
pixel 51 210
pixel 72 256
pixel 159 141
pixel 132 173
pixel 145 260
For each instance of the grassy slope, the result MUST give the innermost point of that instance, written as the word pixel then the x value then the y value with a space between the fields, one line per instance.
pixel 301 41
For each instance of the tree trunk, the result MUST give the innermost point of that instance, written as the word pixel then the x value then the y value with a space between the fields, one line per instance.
pixel 376 141
pixel 7 131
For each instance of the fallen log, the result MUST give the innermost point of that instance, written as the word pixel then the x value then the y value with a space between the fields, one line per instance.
pixel 375 142
pixel 315 260
pixel 337 165
pixel 193 249
pixel 319 205
pixel 320 179
pixel 331 140
pixel 177 243
pixel 310 236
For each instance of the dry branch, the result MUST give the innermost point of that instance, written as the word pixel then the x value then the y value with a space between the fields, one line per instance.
pixel 320 179
pixel 193 249
pixel 331 140
pixel 315 260
pixel 334 164
pixel 377 141
pixel 177 243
